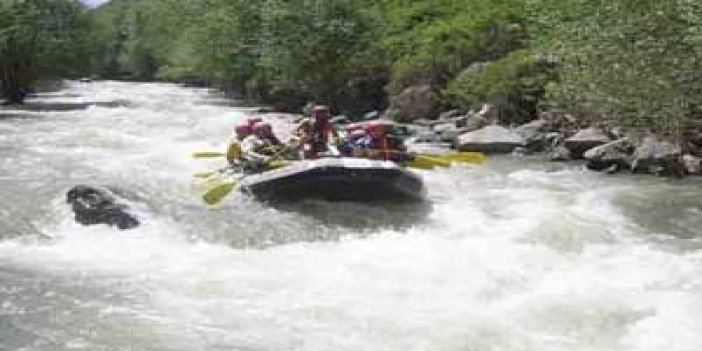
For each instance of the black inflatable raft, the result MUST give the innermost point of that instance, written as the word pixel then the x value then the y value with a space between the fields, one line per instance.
pixel 336 179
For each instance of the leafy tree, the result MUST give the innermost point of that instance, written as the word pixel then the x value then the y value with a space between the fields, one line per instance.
pixel 634 62
pixel 39 38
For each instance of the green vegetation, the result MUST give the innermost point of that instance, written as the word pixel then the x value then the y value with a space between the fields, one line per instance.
pixel 40 38
pixel 637 63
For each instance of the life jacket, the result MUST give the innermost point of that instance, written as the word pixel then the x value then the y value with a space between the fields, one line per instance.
pixel 321 131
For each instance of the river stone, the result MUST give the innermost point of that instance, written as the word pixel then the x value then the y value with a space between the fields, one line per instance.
pixel 534 134
pixel 449 115
pixel 96 205
pixel 491 139
pixel 658 157
pixel 420 101
pixel 692 164
pixel 584 140
pixel 613 156
pixel 471 122
pixel 559 153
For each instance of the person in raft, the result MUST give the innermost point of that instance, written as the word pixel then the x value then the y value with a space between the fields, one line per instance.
pixel 234 150
pixel 380 144
pixel 318 136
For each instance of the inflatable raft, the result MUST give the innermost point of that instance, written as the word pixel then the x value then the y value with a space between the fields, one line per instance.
pixel 336 179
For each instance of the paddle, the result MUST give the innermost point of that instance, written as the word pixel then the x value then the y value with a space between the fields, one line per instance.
pixel 427 162
pixel 208 154
pixel 465 157
pixel 218 192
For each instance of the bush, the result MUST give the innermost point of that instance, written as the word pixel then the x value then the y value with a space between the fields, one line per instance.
pixel 514 83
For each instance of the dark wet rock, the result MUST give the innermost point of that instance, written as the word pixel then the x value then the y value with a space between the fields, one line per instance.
pixel 413 103
pixel 95 205
pixel 535 135
pixel 491 139
pixel 657 157
pixel 611 157
pixel 585 140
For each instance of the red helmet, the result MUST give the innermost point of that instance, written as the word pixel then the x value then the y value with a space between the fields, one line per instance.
pixel 253 120
pixel 320 111
pixel 243 128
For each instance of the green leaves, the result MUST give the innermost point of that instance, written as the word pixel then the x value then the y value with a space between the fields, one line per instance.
pixel 39 38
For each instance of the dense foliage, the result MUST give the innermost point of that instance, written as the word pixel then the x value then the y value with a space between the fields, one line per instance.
pixel 40 38
pixel 636 62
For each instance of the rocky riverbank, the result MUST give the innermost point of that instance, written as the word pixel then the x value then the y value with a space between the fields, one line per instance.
pixel 560 137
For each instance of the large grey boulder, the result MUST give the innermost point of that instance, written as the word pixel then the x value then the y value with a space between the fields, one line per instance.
pixel 584 140
pixel 658 157
pixel 490 139
pixel 613 156
pixel 96 205
pixel 413 103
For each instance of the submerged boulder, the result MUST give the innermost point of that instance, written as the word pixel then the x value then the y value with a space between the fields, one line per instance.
pixel 94 205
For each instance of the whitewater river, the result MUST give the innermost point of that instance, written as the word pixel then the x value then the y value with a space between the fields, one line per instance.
pixel 513 255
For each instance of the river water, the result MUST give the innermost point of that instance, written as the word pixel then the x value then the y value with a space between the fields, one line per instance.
pixel 512 255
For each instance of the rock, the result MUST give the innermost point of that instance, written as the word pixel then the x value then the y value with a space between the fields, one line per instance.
pixel 491 139
pixel 471 122
pixel 93 205
pixel 426 122
pixel 450 114
pixel 584 140
pixel 658 157
pixel 559 153
pixel 371 116
pixel 612 157
pixel 534 134
pixel 490 113
pixel 415 102
pixel 692 164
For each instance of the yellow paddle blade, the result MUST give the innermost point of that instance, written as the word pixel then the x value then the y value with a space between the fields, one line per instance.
pixel 466 157
pixel 428 162
pixel 218 192
pixel 208 154
pixel 204 174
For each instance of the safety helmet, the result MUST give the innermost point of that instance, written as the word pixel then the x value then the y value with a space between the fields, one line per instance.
pixel 243 128
pixel 253 120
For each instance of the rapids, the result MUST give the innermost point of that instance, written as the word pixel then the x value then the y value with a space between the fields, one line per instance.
pixel 513 255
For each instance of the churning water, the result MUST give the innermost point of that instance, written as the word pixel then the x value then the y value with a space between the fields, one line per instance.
pixel 512 255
